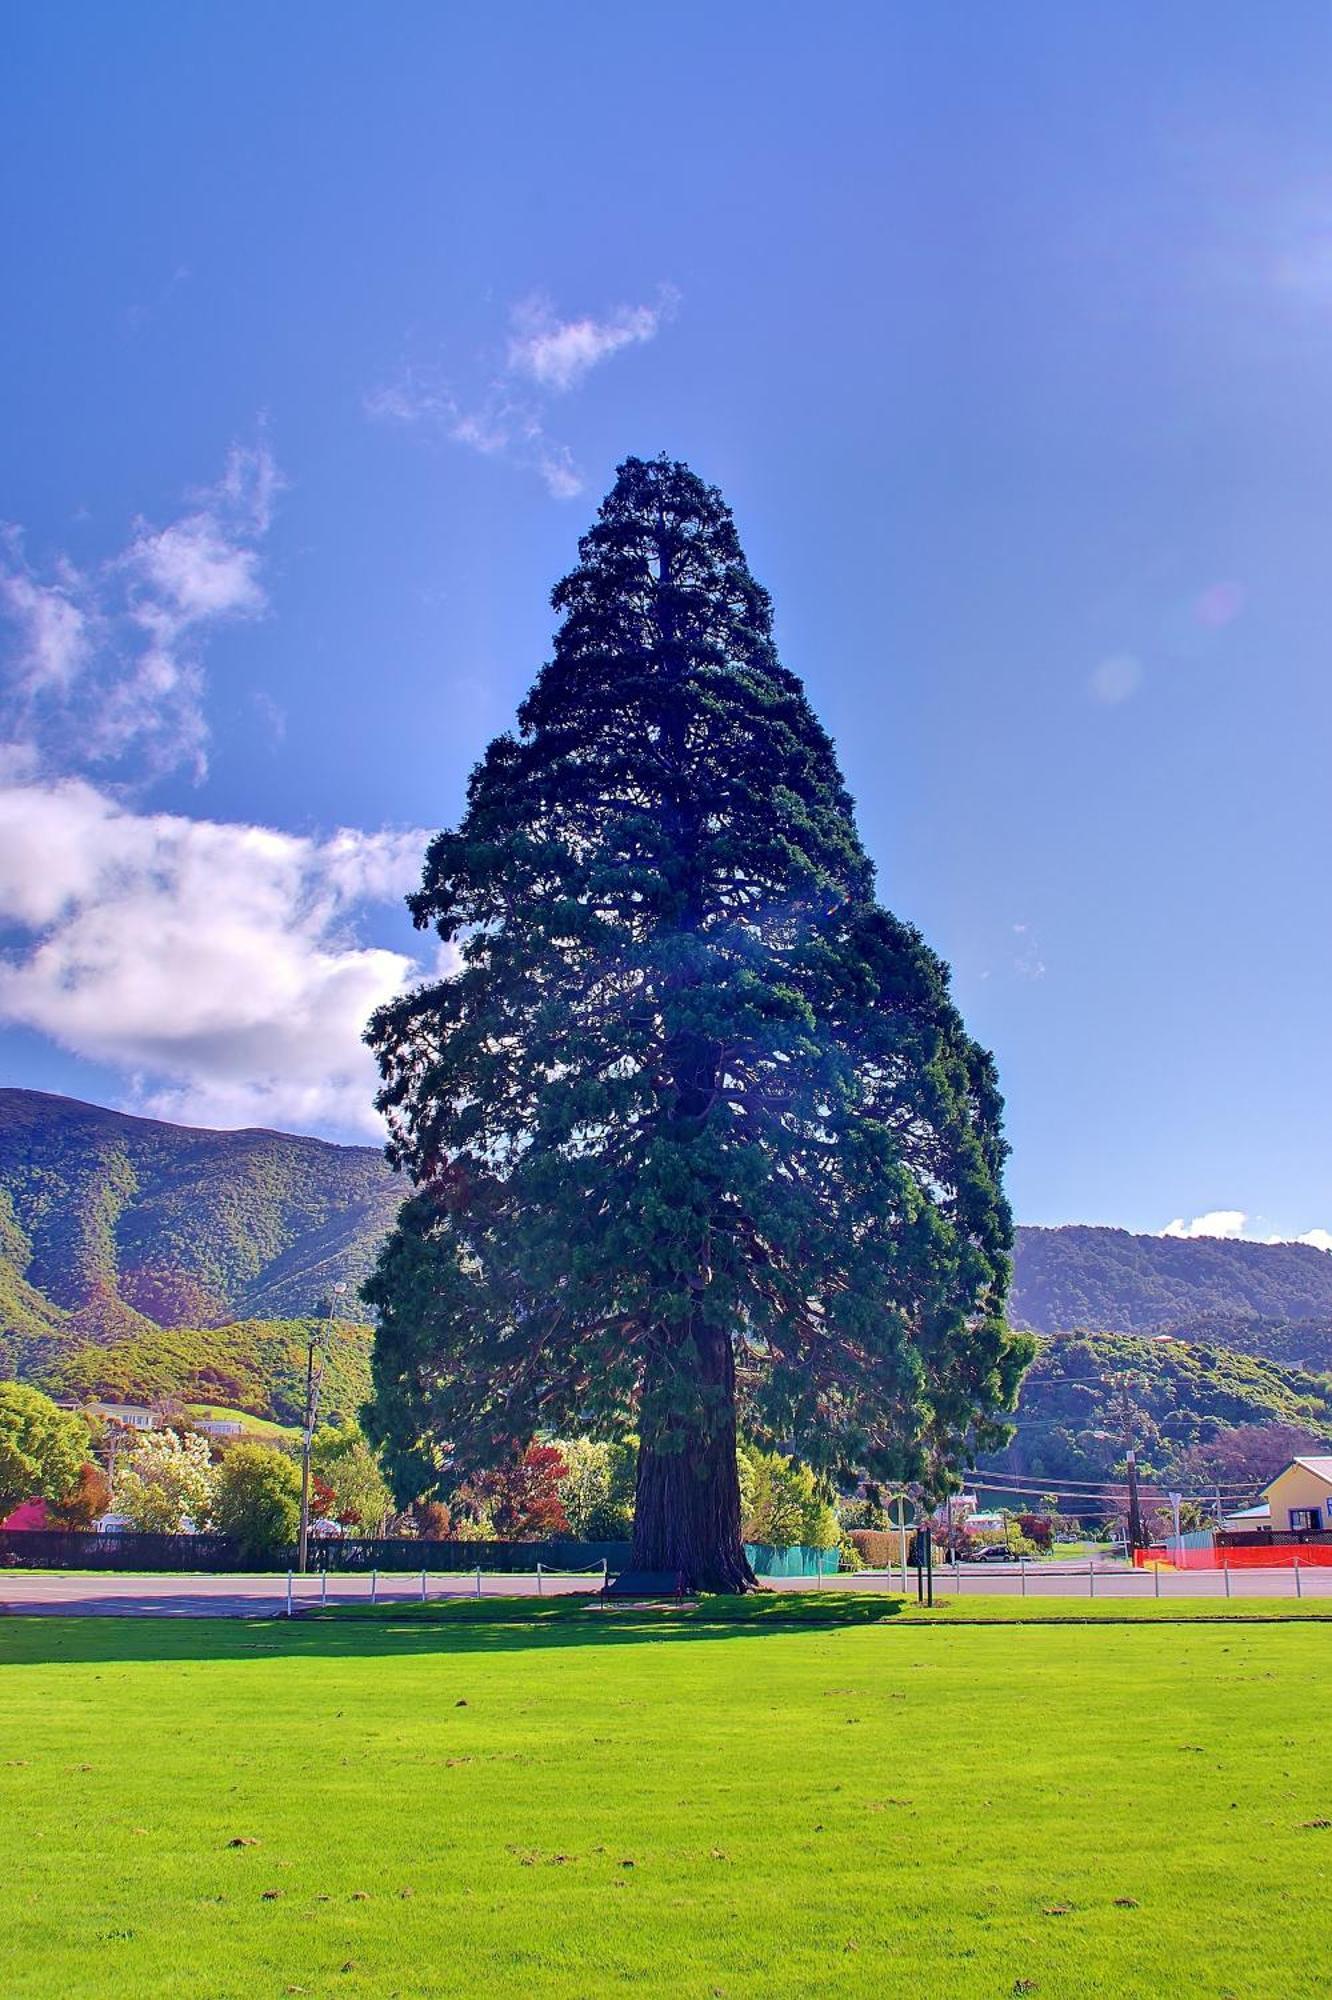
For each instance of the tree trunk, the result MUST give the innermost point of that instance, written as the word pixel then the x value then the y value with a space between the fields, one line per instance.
pixel 687 1497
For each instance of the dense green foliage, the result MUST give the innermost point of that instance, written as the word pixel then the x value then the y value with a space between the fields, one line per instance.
pixel 667 1804
pixel 780 1503
pixel 1168 1396
pixel 693 1097
pixel 596 1487
pixel 257 1500
pixel 1081 1276
pixel 342 1459
pixel 42 1448
pixel 1295 1343
pixel 109 1224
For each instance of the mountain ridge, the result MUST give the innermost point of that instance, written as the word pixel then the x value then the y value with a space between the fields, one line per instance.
pixel 114 1228
pixel 111 1225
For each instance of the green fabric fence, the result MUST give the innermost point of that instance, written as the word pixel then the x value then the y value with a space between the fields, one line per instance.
pixel 766 1560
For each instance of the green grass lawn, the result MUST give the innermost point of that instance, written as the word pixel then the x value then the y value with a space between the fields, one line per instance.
pixel 258 1427
pixel 514 1799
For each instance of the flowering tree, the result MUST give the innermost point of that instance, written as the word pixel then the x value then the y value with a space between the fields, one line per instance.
pixel 168 1484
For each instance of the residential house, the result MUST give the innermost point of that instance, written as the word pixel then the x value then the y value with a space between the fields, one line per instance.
pixel 1300 1498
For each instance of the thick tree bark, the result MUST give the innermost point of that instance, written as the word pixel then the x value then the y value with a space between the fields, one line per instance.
pixel 687 1498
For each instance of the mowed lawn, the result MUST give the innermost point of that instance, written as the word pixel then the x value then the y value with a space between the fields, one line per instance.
pixel 552 1801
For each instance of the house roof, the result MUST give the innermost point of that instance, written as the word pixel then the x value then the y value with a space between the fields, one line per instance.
pixel 1261 1512
pixel 1321 1468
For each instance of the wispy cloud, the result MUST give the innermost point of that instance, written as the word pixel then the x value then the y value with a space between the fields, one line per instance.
pixel 215 964
pixel 1027 960
pixel 545 356
pixel 1114 679
pixel 558 353
pixel 105 661
pixel 1236 1225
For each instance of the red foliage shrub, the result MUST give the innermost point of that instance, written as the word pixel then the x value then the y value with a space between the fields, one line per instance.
pixel 79 1509
pixel 521 1500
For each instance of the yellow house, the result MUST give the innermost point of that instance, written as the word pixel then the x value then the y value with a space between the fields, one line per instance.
pixel 1301 1497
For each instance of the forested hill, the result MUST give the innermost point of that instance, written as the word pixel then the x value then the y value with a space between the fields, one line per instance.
pixel 111 1225
pixel 1109 1280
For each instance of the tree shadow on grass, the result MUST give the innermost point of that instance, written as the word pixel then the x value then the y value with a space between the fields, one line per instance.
pixel 443 1626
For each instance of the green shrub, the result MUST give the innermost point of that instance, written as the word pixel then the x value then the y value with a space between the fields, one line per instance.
pixel 42 1447
pixel 878 1548
pixel 258 1500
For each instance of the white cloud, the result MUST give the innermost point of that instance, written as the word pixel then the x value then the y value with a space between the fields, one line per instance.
pixel 215 964
pixel 1216 1222
pixel 1116 678
pixel 544 356
pixel 1237 1225
pixel 109 661
pixel 557 353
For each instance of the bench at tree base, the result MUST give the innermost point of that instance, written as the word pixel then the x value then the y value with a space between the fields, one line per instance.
pixel 639 1583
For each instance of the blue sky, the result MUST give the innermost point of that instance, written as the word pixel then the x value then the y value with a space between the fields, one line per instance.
pixel 1007 333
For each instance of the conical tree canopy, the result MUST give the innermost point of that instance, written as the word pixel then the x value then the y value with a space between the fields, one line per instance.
pixel 693 1111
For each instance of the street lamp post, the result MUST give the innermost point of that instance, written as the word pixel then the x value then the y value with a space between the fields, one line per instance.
pixel 316 1349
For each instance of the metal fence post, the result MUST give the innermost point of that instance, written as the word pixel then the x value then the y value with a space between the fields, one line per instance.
pixel 288 1593
pixel 374 1586
pixel 1225 1576
pixel 1022 1571
pixel 1091 1580
pixel 323 1586
pixel 540 1591
pixel 423 1587
pixel 1156 1579
pixel 1299 1588
pixel 478 1579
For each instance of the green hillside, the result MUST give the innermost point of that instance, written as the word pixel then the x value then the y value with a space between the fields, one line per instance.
pixel 1085 1391
pixel 112 1225
pixel 257 1366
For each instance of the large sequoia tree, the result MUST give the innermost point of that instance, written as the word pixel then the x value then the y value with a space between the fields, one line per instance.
pixel 694 1121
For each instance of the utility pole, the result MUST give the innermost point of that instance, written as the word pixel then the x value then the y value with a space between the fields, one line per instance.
pixel 316 1349
pixel 1137 1537
pixel 1137 1540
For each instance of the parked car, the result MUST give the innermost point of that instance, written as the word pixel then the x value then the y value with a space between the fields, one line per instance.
pixel 996 1553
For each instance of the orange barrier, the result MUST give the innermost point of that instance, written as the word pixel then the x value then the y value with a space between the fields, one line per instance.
pixel 1278 1555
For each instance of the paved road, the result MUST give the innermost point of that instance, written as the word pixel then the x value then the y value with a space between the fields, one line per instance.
pixel 248 1596
pixel 1100 1580
pixel 23 1591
